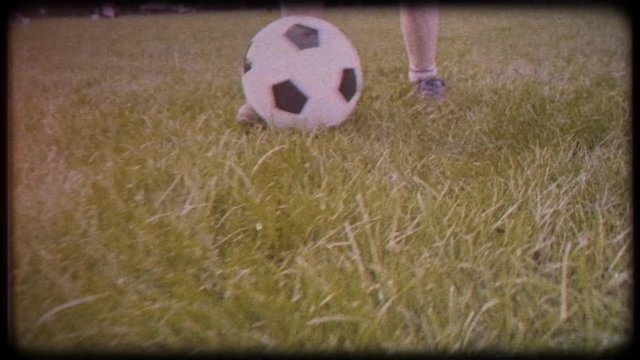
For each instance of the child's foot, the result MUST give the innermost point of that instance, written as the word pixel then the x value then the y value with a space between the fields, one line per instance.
pixel 433 89
pixel 246 115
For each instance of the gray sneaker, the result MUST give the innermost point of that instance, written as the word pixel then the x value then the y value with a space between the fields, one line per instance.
pixel 433 89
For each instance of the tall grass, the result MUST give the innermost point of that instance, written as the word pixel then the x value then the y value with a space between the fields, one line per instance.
pixel 144 218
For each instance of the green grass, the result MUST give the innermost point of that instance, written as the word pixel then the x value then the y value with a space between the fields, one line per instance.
pixel 144 218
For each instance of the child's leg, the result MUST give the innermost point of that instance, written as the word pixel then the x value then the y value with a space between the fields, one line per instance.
pixel 419 25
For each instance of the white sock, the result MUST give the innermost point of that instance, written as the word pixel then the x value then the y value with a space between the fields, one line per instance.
pixel 416 75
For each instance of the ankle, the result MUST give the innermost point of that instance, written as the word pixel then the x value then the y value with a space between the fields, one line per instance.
pixel 422 74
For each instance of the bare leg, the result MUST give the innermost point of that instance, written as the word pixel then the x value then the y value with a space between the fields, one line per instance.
pixel 419 25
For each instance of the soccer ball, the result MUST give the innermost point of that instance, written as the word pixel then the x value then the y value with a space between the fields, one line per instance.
pixel 303 72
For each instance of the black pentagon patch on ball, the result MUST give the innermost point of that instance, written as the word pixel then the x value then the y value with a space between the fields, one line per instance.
pixel 348 84
pixel 302 36
pixel 288 97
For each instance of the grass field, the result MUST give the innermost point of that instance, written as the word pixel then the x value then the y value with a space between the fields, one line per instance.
pixel 144 218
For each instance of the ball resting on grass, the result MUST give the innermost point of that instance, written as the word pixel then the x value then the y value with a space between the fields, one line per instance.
pixel 302 72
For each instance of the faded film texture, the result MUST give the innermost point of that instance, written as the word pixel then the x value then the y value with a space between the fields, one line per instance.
pixel 145 218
